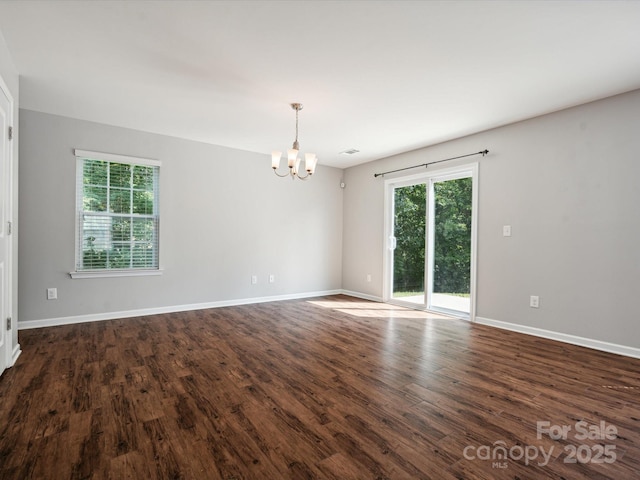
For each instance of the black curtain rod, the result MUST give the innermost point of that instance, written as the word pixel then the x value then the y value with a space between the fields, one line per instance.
pixel 483 153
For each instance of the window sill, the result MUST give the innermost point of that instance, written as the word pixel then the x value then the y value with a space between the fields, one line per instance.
pixel 114 273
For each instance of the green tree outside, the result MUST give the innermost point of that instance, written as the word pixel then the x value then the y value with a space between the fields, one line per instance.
pixel 118 201
pixel 452 237
pixel 452 242
pixel 409 230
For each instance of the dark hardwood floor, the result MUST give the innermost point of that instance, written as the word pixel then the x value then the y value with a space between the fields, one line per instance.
pixel 325 388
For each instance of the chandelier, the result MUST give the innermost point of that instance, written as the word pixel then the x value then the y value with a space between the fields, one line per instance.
pixel 310 159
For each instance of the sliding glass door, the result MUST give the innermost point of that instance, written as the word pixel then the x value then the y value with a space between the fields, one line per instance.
pixel 431 241
pixel 409 241
pixel 450 245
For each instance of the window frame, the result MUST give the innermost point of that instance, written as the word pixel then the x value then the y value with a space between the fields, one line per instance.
pixel 81 156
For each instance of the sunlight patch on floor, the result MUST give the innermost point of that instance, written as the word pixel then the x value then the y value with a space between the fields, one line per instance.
pixel 374 309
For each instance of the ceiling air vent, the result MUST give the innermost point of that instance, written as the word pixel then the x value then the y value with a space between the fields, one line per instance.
pixel 351 151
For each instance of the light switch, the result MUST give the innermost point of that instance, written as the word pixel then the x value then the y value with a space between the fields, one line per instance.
pixel 506 231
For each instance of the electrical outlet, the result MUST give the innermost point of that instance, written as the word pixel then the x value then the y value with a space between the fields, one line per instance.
pixel 369 277
pixel 534 301
pixel 52 293
pixel 254 279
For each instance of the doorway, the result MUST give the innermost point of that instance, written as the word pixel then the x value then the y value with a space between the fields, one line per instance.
pixel 430 257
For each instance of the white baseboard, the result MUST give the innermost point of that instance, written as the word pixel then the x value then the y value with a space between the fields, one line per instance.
pixel 364 296
pixel 563 337
pixel 15 354
pixel 96 317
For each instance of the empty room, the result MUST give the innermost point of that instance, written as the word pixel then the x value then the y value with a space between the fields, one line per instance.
pixel 315 239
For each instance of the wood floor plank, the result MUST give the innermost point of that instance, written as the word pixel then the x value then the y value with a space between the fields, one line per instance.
pixel 326 388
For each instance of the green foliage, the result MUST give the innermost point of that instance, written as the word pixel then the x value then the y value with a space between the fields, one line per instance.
pixel 117 194
pixel 452 237
pixel 95 174
pixel 410 224
pixel 128 247
pixel 452 255
pixel 93 257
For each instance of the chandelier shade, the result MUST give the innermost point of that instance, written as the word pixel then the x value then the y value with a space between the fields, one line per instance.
pixel 293 161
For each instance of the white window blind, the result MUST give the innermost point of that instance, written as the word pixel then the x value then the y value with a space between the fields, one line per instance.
pixel 117 213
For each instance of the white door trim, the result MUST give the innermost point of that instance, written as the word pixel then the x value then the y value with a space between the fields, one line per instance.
pixel 12 351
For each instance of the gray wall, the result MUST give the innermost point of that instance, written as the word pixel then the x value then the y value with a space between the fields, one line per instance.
pixel 9 75
pixel 224 217
pixel 567 183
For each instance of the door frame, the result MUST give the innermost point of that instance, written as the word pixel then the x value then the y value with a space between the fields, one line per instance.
pixel 428 177
pixel 12 347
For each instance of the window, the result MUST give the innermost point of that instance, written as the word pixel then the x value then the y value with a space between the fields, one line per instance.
pixel 117 215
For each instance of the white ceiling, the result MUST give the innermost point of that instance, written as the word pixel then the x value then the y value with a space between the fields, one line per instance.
pixel 380 76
